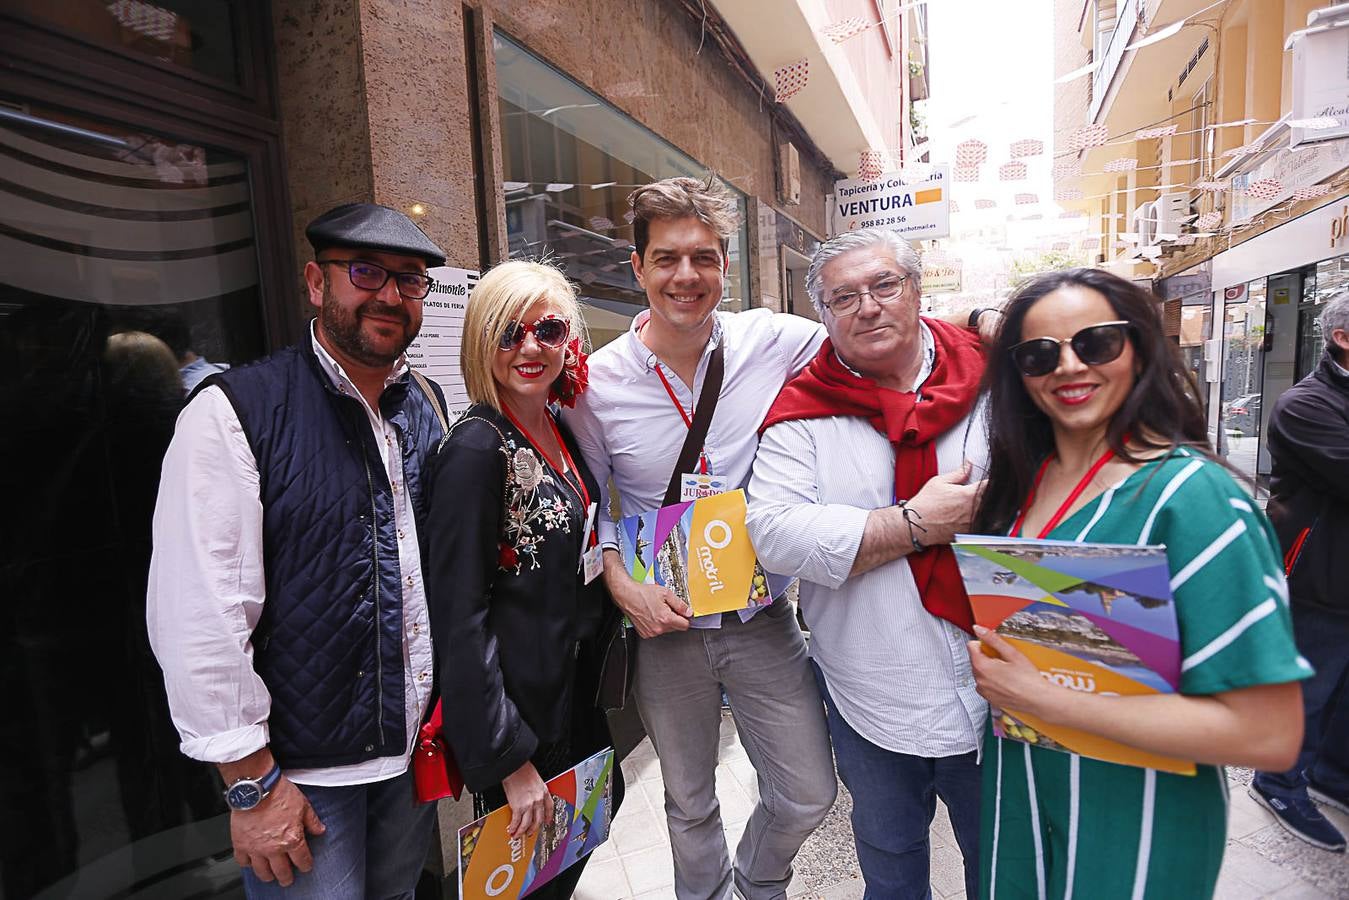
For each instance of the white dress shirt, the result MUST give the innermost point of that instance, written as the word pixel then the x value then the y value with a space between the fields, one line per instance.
pixel 899 676
pixel 206 589
pixel 628 428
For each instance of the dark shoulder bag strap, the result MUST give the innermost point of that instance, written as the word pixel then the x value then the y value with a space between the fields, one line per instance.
pixel 702 420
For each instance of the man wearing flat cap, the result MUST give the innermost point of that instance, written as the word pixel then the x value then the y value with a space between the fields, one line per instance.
pixel 286 604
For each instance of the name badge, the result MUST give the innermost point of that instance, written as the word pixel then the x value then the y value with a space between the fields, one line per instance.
pixel 695 486
pixel 592 558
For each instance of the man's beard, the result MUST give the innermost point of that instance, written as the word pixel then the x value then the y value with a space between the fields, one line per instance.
pixel 343 327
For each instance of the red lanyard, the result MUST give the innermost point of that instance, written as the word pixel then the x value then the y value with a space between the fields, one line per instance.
pixel 583 494
pixel 1076 492
pixel 688 421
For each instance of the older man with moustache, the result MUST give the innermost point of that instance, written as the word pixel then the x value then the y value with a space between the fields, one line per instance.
pixel 858 487
pixel 286 603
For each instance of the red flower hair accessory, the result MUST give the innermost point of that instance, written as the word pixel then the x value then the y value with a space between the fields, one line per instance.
pixel 574 378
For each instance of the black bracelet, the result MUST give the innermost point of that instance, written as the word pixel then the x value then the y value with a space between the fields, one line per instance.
pixel 909 515
pixel 975 314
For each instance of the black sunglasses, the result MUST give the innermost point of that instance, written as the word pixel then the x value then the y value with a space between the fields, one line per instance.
pixel 1095 345
pixel 550 331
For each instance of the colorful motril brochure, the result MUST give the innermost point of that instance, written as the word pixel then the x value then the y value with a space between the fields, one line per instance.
pixel 494 866
pixel 701 551
pixel 1092 617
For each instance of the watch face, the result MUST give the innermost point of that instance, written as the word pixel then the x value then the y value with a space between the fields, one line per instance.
pixel 244 795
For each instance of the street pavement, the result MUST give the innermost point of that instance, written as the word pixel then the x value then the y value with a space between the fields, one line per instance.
pixel 1262 860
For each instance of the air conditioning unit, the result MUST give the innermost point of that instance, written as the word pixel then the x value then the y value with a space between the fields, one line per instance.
pixel 1144 223
pixel 1172 210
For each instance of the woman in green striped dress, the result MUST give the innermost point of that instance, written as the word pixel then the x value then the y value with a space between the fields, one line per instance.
pixel 1096 434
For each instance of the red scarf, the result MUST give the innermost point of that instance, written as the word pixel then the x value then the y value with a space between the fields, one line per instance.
pixel 826 388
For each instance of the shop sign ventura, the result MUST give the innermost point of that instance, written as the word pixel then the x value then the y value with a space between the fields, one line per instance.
pixel 918 210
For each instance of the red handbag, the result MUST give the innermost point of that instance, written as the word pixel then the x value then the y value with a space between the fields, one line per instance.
pixel 434 771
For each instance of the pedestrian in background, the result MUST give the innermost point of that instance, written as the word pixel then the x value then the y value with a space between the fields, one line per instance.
pixel 286 604
pixel 1096 434
pixel 511 519
pixel 1309 506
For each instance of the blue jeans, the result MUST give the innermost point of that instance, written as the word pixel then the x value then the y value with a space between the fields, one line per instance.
pixel 375 844
pixel 894 796
pixel 1324 761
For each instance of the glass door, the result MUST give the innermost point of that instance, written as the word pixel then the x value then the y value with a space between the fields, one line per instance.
pixel 1244 338
pixel 128 271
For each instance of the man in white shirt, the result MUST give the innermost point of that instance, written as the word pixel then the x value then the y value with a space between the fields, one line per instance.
pixel 286 604
pixel 631 423
pixel 846 494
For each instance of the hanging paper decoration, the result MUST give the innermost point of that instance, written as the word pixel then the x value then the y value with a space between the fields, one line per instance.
pixel 1264 189
pixel 1123 164
pixel 1027 147
pixel 1091 243
pixel 1122 245
pixel 1059 245
pixel 1318 123
pixel 984 204
pixel 1243 150
pixel 1068 168
pixel 600 223
pixel 1078 73
pixel 971 153
pixel 1032 218
pixel 790 79
pixel 1026 199
pixel 870 165
pixel 955 207
pixel 844 29
pixel 1160 34
pixel 965 173
pixel 1072 214
pixel 1213 187
pixel 1088 136
pixel 1185 240
pixel 1146 134
pixel 1208 221
pixel 146 19
pixel 1012 171
pixel 1311 192
pixel 1063 194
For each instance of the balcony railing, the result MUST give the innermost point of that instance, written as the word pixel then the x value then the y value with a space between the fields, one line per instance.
pixel 1114 52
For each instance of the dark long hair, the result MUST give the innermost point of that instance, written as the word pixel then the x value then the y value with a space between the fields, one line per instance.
pixel 1162 411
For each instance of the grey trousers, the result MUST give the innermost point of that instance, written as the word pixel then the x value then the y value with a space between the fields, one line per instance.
pixel 781 720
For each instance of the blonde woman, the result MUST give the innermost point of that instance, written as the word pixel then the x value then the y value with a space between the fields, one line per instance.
pixel 511 514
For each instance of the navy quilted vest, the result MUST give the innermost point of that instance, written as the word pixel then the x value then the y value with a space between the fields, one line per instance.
pixel 329 644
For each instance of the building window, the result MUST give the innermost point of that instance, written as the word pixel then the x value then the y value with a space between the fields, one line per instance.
pixel 570 160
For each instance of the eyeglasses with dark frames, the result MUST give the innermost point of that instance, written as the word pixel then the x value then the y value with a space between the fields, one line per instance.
pixel 885 290
pixel 1094 345
pixel 369 276
pixel 549 331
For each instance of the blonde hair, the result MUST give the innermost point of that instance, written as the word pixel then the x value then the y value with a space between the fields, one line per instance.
pixel 503 295
pixel 683 198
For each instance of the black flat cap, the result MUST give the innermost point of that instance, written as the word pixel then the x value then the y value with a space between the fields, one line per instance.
pixel 372 227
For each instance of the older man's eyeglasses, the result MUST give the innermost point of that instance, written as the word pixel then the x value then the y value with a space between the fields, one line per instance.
pixel 370 277
pixel 886 290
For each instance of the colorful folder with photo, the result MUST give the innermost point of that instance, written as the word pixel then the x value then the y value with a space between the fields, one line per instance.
pixel 1092 617
pixel 495 866
pixel 701 550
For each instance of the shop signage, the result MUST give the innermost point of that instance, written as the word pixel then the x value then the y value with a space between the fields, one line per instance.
pixel 941 277
pixel 1321 81
pixel 435 352
pixel 1339 228
pixel 1291 169
pixel 918 210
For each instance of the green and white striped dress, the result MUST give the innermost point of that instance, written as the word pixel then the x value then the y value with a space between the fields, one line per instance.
pixel 1057 825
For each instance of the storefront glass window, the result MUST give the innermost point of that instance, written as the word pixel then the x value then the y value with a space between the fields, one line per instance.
pixel 128 271
pixel 1244 336
pixel 201 35
pixel 571 160
pixel 1332 277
